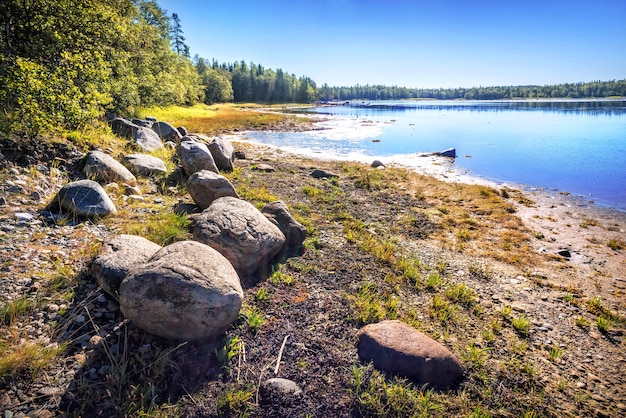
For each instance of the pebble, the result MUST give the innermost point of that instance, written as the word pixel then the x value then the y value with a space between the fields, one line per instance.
pixel 581 385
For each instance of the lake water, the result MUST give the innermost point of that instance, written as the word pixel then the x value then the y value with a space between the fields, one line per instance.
pixel 569 146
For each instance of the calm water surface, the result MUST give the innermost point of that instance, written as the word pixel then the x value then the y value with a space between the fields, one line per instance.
pixel 575 146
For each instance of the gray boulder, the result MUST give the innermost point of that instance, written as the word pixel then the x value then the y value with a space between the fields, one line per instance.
pixel 294 232
pixel 123 127
pixel 147 139
pixel 242 234
pixel 395 347
pixel 195 156
pixel 182 130
pixel 84 198
pixel 104 168
pixel 166 132
pixel 187 292
pixel 206 186
pixel 222 152
pixel 145 165
pixel 117 256
pixel 142 123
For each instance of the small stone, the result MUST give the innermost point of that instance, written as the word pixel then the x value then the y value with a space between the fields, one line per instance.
pixel 597 398
pixel 94 342
pixel 281 386
pixel 135 198
pixel 602 413
pixel 265 167
pixel 24 216
pixel 581 385
pixel 593 377
pixel 80 319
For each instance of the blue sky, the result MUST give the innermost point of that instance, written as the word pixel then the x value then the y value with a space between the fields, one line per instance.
pixel 420 43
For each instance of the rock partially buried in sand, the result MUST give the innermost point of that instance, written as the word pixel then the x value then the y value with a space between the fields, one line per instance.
pixel 398 348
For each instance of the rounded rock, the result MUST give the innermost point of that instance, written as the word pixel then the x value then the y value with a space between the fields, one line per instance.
pixel 186 292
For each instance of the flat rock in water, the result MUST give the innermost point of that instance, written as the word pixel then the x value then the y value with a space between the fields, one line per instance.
pixel 395 347
pixel 83 198
pixel 242 234
pixel 104 168
pixel 206 186
pixel 117 256
pixel 186 292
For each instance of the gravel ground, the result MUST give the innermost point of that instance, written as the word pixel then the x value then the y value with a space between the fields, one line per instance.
pixel 107 367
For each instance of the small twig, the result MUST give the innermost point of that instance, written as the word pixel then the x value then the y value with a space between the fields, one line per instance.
pixel 280 355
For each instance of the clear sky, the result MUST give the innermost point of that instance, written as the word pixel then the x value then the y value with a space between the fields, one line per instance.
pixel 419 43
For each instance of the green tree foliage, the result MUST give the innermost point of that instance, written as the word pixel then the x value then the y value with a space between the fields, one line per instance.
pixel 178 39
pixel 65 62
pixel 254 83
pixel 595 89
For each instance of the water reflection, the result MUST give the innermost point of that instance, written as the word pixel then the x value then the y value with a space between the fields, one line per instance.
pixel 586 107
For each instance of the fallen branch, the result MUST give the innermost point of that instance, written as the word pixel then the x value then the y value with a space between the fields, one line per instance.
pixel 280 355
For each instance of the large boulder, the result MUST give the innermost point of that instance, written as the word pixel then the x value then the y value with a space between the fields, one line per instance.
pixel 222 152
pixel 145 165
pixel 186 292
pixel 206 186
pixel 166 132
pixel 83 199
pixel 242 234
pixel 395 347
pixel 147 139
pixel 104 168
pixel 117 256
pixel 294 232
pixel 195 156
pixel 123 127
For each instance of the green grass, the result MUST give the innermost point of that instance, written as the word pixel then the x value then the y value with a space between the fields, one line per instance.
pixel 521 324
pixel 164 229
pixel 396 397
pixel 371 305
pixel 253 317
pixel 10 311
pixel 616 244
pixel 29 356
pixel 461 293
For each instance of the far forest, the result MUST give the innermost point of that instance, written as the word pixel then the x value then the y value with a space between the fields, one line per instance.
pixel 64 64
